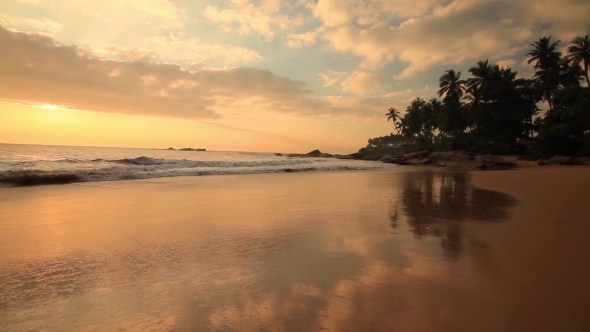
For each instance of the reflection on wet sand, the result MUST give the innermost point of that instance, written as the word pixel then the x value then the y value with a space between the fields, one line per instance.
pixel 306 252
pixel 436 204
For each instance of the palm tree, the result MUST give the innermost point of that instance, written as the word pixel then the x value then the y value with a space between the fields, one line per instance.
pixel 579 52
pixel 482 74
pixel 544 54
pixel 392 115
pixel 451 85
pixel 547 66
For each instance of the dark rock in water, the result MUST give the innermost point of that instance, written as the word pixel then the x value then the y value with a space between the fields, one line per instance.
pixel 560 160
pixel 170 148
pixel 419 154
pixel 371 157
pixel 293 155
pixel 278 154
pixel 191 149
pixel 362 152
pixel 346 157
pixel 325 155
pixel 314 153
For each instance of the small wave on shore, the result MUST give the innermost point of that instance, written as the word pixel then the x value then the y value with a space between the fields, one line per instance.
pixel 41 171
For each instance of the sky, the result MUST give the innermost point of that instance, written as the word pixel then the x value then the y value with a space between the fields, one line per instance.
pixel 267 75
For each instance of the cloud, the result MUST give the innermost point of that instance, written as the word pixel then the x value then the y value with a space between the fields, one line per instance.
pixel 41 25
pixel 394 94
pixel 361 83
pixel 424 34
pixel 36 69
pixel 331 77
pixel 506 63
pixel 355 82
pixel 263 20
pixel 191 51
pixel 295 40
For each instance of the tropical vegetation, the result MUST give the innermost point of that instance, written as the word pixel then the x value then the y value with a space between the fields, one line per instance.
pixel 494 111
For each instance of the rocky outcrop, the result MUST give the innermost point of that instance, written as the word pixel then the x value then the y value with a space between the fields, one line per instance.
pixel 584 161
pixel 560 160
pixel 191 149
pixel 419 154
pixel 278 154
pixel 314 153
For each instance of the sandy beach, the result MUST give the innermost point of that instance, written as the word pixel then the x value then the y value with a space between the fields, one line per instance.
pixel 403 249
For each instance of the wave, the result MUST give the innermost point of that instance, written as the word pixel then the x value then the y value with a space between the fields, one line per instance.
pixel 74 170
pixel 32 179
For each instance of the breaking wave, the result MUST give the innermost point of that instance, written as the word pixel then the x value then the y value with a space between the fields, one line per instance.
pixel 68 170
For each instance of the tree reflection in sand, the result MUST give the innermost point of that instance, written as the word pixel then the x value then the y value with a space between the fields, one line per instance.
pixel 437 203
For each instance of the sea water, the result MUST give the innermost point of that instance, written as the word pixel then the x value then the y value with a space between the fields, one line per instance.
pixel 37 163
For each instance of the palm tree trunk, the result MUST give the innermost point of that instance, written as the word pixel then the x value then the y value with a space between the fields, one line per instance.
pixel 586 73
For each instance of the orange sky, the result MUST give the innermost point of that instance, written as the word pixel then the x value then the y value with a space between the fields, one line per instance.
pixel 250 75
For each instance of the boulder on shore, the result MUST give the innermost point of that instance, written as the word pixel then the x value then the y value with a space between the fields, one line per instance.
pixel 560 160
pixel 419 161
pixel 278 154
pixel 419 154
pixel 585 161
pixel 314 153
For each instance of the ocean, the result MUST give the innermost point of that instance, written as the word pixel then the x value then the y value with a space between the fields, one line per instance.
pixel 45 164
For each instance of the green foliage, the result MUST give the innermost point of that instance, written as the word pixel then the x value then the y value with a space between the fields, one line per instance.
pixel 494 112
pixel 566 128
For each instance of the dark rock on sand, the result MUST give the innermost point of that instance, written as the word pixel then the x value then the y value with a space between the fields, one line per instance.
pixel 584 161
pixel 419 154
pixel 560 160
pixel 419 161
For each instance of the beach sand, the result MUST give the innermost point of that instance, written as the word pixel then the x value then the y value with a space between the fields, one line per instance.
pixel 404 249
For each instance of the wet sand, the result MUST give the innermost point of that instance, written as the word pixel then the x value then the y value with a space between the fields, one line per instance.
pixel 543 254
pixel 408 249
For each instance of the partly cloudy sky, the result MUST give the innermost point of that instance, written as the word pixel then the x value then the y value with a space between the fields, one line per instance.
pixel 268 75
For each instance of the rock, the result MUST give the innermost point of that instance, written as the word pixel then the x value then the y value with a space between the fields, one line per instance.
pixel 542 162
pixel 187 149
pixel 419 154
pixel 419 161
pixel 325 155
pixel 314 153
pixel 371 158
pixel 278 154
pixel 434 155
pixel 489 159
pixel 456 155
pixel 504 164
pixel 171 148
pixel 560 160
pixel 386 157
pixel 347 156
pixel 585 161
pixel 362 152
pixel 293 155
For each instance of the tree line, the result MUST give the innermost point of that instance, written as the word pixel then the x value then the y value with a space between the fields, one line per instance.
pixel 493 111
